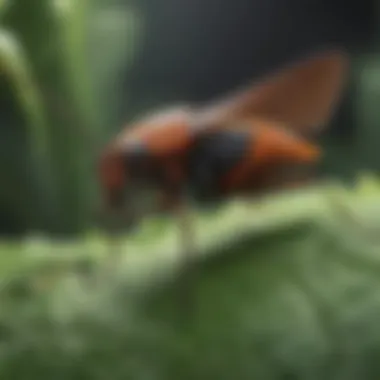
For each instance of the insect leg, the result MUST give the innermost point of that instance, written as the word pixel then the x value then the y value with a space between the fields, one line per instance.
pixel 175 198
pixel 187 262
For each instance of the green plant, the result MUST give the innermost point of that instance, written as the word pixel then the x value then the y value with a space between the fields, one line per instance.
pixel 287 290
pixel 54 109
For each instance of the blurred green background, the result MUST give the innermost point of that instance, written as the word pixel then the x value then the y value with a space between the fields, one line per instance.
pixel 284 289
pixel 60 61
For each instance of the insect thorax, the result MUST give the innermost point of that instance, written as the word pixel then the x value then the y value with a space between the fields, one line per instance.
pixel 213 156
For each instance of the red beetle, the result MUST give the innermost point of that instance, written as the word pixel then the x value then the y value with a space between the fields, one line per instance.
pixel 236 146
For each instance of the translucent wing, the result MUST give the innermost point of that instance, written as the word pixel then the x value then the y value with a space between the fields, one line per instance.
pixel 303 95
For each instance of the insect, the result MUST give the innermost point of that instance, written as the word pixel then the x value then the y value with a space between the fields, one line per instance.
pixel 234 147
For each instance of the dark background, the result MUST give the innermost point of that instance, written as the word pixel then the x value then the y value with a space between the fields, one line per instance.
pixel 197 50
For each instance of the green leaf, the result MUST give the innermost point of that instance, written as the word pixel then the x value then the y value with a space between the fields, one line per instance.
pixel 115 31
pixel 4 4
pixel 279 289
pixel 14 64
pixel 72 19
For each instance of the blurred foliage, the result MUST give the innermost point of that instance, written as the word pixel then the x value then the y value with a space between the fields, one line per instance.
pixel 292 294
pixel 60 62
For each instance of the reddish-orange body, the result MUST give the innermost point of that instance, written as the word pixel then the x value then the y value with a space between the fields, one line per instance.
pixel 174 163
